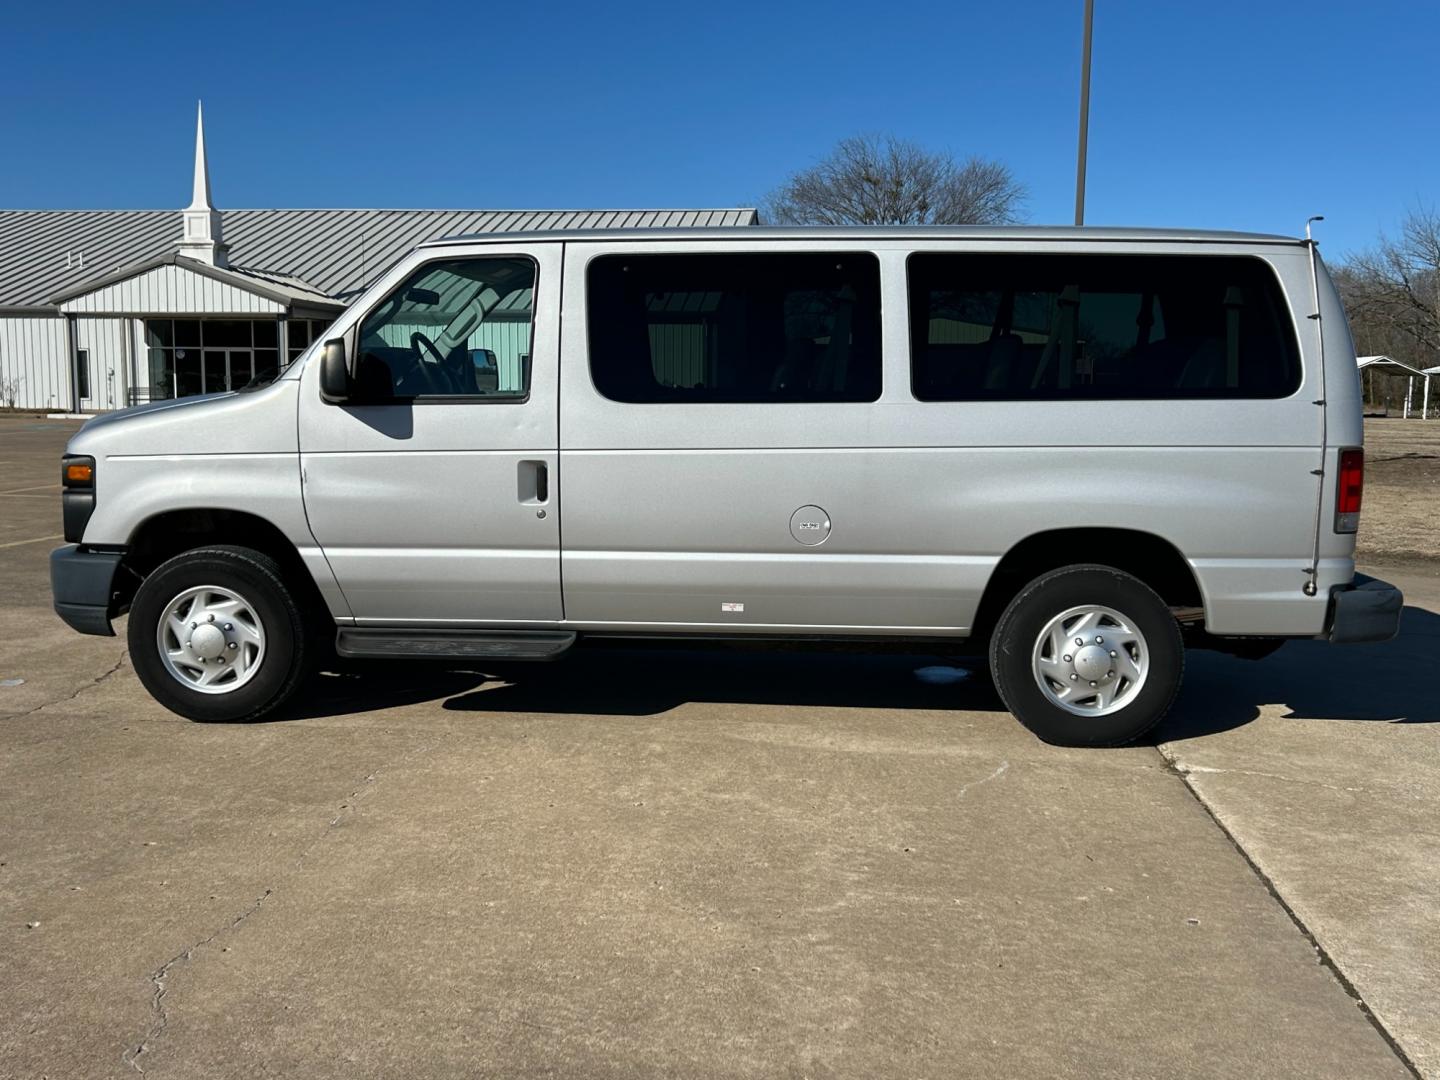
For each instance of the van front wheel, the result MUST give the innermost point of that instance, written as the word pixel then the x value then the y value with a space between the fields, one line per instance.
pixel 1087 656
pixel 214 634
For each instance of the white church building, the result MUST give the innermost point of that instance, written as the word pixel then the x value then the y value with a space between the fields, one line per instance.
pixel 101 309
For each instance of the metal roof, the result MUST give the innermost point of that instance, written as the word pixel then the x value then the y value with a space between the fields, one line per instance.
pixel 47 252
pixel 1363 362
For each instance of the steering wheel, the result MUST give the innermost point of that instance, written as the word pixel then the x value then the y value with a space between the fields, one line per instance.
pixel 432 373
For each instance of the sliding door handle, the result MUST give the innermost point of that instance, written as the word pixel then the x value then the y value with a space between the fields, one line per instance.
pixel 542 482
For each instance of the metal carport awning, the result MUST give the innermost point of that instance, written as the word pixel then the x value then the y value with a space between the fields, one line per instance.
pixel 1364 362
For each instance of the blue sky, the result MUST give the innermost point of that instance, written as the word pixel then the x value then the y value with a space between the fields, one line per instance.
pixel 1224 114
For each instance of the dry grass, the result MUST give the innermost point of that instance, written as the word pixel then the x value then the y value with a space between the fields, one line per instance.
pixel 1401 516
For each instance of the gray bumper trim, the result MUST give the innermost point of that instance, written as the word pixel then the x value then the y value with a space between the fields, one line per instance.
pixel 81 583
pixel 1368 612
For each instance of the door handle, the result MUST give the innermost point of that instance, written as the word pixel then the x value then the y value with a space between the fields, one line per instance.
pixel 534 483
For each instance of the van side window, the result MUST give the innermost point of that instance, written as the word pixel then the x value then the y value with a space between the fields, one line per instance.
pixel 735 327
pixel 1046 327
pixel 456 328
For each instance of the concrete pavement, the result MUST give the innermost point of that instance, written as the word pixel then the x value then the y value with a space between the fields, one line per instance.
pixel 1332 790
pixel 696 863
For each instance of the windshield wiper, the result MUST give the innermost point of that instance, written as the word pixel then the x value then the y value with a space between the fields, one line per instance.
pixel 265 378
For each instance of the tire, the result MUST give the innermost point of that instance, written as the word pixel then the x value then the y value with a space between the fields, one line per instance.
pixel 1052 694
pixel 254 653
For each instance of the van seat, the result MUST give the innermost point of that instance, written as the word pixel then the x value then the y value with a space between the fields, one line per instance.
pixel 946 369
pixel 1002 365
pixel 1175 363
pixel 951 370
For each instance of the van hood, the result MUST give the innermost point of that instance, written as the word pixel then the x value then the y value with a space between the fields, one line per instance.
pixel 122 415
pixel 255 422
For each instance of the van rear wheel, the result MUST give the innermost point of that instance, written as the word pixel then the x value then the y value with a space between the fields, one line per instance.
pixel 1087 656
pixel 215 634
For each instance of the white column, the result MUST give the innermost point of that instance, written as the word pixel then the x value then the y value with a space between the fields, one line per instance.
pixel 127 363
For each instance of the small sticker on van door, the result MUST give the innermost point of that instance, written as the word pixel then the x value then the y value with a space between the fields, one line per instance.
pixel 732 607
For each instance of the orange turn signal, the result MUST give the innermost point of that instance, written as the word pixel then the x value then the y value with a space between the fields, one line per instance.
pixel 80 473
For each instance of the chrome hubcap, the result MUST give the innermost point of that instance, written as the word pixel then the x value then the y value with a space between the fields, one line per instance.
pixel 211 639
pixel 1090 660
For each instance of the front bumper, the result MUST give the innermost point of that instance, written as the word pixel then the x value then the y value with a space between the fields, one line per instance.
pixel 82 584
pixel 1368 611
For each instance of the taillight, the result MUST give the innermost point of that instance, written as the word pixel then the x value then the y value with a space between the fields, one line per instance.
pixel 1349 487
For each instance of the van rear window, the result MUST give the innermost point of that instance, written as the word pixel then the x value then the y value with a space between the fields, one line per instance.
pixel 747 328
pixel 1044 327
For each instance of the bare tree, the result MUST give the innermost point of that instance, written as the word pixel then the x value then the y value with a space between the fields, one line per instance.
pixel 885 180
pixel 1392 293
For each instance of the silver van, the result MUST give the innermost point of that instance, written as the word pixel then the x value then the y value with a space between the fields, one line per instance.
pixel 1082 449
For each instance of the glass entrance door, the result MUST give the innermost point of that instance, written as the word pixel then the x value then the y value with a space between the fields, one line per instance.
pixel 242 367
pixel 214 368
pixel 188 376
pixel 220 370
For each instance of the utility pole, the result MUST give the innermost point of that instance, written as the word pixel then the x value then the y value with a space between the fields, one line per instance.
pixel 1084 115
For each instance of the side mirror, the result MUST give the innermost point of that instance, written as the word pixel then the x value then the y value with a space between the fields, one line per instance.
pixel 334 372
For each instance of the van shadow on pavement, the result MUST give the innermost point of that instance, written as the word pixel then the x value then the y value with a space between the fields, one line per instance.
pixel 1390 681
pixel 613 680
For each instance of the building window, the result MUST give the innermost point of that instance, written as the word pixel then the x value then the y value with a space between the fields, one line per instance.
pixel 735 328
pixel 208 356
pixel 1051 327
pixel 302 333
pixel 82 373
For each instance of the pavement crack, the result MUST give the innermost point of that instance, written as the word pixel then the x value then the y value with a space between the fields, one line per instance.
pixel 1184 774
pixel 349 804
pixel 1186 769
pixel 160 1015
pixel 77 692
pixel 159 978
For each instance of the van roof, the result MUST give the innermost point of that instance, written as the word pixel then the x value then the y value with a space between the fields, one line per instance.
pixel 1067 233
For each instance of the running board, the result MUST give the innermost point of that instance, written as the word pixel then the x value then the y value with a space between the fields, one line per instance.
pixel 377 642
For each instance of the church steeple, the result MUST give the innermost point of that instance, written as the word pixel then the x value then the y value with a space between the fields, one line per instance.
pixel 204 239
